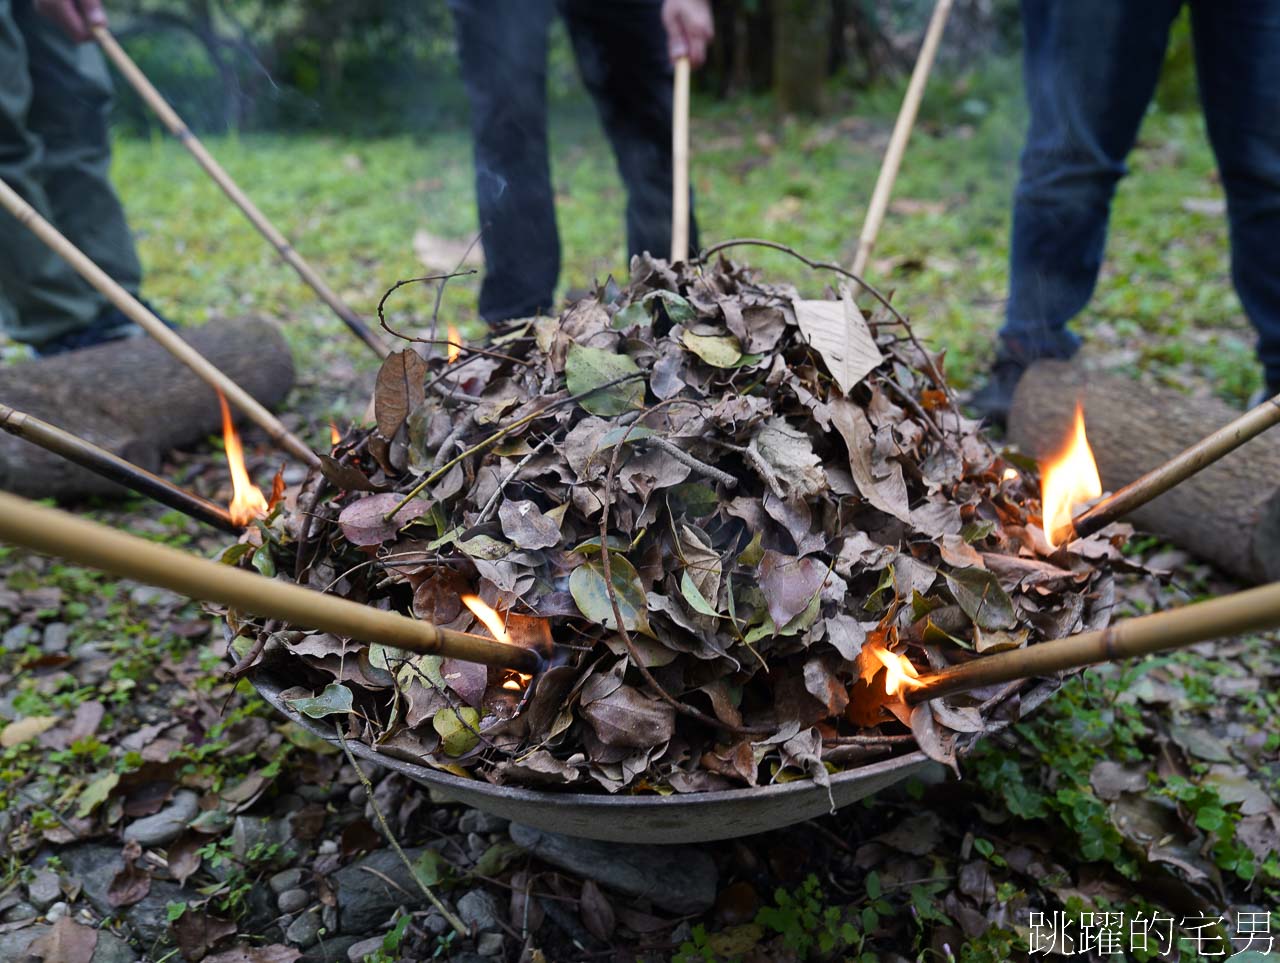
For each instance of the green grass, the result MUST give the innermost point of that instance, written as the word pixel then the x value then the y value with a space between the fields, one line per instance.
pixel 1164 305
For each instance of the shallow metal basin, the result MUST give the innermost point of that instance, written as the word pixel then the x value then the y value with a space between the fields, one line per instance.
pixel 680 818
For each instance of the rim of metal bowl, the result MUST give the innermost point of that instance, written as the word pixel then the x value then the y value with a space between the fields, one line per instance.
pixel 678 818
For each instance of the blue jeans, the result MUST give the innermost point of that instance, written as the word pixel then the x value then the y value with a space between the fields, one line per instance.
pixel 621 49
pixel 1090 71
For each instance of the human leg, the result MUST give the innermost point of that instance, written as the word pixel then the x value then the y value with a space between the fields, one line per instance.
pixel 621 48
pixel 55 152
pixel 1237 45
pixel 503 49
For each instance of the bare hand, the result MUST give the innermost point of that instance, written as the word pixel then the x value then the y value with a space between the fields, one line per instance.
pixel 690 29
pixel 77 18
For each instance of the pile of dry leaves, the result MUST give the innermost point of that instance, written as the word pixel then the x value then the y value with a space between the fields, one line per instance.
pixel 728 506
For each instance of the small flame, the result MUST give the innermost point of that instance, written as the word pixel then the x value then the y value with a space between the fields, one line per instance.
pixel 1010 474
pixel 491 619
pixel 335 435
pixel 516 682
pixel 1068 479
pixel 899 672
pixel 455 344
pixel 247 500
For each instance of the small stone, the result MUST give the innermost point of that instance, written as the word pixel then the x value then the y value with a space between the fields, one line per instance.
pixel 357 795
pixel 305 930
pixel 476 846
pixel 370 889
pixel 331 949
pixel 479 910
pixel 479 821
pixel 56 911
pixel 55 637
pixel 44 889
pixel 112 949
pixel 435 922
pixel 292 901
pixel 18 636
pixel 150 595
pixel 490 944
pixel 356 952
pixel 313 793
pixel 285 879
pixel 328 847
pixel 329 916
pixel 164 826
pixel 250 832
pixel 21 910
pixel 679 879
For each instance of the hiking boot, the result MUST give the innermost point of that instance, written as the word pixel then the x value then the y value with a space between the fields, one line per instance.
pixel 994 398
pixel 110 324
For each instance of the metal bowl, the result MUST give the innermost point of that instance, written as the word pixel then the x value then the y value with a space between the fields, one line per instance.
pixel 680 818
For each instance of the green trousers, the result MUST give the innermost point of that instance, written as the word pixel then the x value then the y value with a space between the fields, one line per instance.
pixel 55 152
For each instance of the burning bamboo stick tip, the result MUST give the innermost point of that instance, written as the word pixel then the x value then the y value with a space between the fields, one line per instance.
pixel 1253 610
pixel 111 466
pixel 56 533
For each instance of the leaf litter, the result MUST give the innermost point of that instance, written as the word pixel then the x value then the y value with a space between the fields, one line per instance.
pixel 720 500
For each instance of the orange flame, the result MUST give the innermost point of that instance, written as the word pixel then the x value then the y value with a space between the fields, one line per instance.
pixel 1009 474
pixel 899 672
pixel 247 500
pixel 455 344
pixel 491 619
pixel 335 435
pixel 516 682
pixel 1068 479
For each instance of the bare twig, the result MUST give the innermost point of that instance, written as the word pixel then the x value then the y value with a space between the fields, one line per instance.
pixel 497 492
pixel 682 456
pixel 419 488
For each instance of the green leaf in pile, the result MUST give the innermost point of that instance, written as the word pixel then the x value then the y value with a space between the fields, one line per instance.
pixel 697 601
pixel 979 593
pixel 334 699
pixel 589 368
pixel 694 499
pixel 679 310
pixel 633 315
pixel 430 867
pixel 754 551
pixel 717 350
pixel 587 585
pixel 457 729
pixel 624 434
pixel 96 793
pixel 977 531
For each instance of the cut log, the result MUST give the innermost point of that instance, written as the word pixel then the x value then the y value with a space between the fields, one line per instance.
pixel 1228 514
pixel 133 398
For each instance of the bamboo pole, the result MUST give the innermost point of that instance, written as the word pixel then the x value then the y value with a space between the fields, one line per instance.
pixel 155 100
pixel 136 311
pixel 112 466
pixel 1173 472
pixel 680 163
pixel 901 134
pixel 57 533
pixel 1253 610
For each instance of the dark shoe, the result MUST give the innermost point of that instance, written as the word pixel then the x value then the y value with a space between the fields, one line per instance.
pixel 994 398
pixel 111 324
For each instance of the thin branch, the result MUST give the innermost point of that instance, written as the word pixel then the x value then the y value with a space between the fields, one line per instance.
pixel 447 913
pixel 419 488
